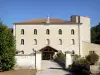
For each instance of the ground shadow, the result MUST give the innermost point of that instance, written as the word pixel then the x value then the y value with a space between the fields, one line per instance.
pixel 59 63
pixel 55 68
pixel 62 67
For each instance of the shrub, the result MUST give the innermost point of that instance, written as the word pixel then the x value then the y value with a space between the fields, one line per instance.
pixel 92 58
pixel 76 57
pixel 60 57
pixel 81 67
pixel 7 48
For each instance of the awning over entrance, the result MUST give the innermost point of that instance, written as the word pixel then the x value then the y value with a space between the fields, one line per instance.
pixel 48 52
pixel 48 49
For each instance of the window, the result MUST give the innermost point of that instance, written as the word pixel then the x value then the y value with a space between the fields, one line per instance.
pixel 60 41
pixel 22 41
pixel 60 31
pixel 72 41
pixel 48 31
pixel 72 32
pixel 22 31
pixel 35 41
pixel 21 52
pixel 73 52
pixel 35 31
pixel 48 41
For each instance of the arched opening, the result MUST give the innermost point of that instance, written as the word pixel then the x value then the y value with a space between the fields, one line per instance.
pixel 22 31
pixel 72 32
pixel 22 41
pixel 48 31
pixel 60 31
pixel 35 31
pixel 35 41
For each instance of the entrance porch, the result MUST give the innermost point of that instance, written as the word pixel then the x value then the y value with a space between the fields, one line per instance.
pixel 48 53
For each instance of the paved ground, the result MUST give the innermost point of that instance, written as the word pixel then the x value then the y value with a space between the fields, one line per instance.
pixel 51 68
pixel 18 72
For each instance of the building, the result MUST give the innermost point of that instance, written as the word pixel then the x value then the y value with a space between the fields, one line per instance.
pixel 52 35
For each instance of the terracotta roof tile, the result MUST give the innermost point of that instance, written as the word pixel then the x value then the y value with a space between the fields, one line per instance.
pixel 42 21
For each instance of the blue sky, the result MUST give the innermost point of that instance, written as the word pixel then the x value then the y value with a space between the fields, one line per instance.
pixel 21 10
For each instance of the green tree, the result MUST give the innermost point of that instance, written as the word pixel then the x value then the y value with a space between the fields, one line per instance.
pixel 92 58
pixel 7 48
pixel 95 34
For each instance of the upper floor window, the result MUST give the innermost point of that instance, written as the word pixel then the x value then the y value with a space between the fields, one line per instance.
pixel 48 41
pixel 72 41
pixel 60 41
pixel 22 41
pixel 72 31
pixel 48 31
pixel 35 41
pixel 35 31
pixel 60 31
pixel 22 31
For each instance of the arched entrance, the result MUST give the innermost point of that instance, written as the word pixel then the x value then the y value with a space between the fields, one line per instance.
pixel 48 52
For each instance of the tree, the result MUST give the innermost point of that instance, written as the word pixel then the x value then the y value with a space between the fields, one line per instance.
pixel 95 34
pixel 7 48
pixel 92 58
pixel 80 66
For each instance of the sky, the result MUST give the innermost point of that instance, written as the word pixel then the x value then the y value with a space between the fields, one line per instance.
pixel 21 10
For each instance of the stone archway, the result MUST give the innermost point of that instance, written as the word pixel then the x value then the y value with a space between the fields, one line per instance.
pixel 48 53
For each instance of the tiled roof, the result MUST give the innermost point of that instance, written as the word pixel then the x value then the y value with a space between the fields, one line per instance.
pixel 42 21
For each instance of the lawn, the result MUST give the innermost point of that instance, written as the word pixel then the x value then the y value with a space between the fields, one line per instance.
pixel 19 72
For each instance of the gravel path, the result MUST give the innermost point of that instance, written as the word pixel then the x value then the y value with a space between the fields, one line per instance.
pixel 51 68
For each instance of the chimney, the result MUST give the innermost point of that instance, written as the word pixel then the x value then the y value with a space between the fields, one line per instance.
pixel 75 18
pixel 48 19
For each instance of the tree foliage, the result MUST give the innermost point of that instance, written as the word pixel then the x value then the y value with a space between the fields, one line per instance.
pixel 7 48
pixel 92 58
pixel 80 66
pixel 95 34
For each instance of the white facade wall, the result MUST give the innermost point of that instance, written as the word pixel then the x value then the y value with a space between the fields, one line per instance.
pixel 84 32
pixel 42 36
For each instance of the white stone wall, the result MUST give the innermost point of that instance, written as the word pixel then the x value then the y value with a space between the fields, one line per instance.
pixel 28 61
pixel 68 60
pixel 90 47
pixel 42 36
pixel 25 61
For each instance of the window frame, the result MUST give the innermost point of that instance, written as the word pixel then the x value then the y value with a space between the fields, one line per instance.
pixel 35 41
pixel 60 41
pixel 72 31
pixel 22 41
pixel 35 31
pixel 22 31
pixel 48 41
pixel 47 31
pixel 73 41
pixel 60 31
